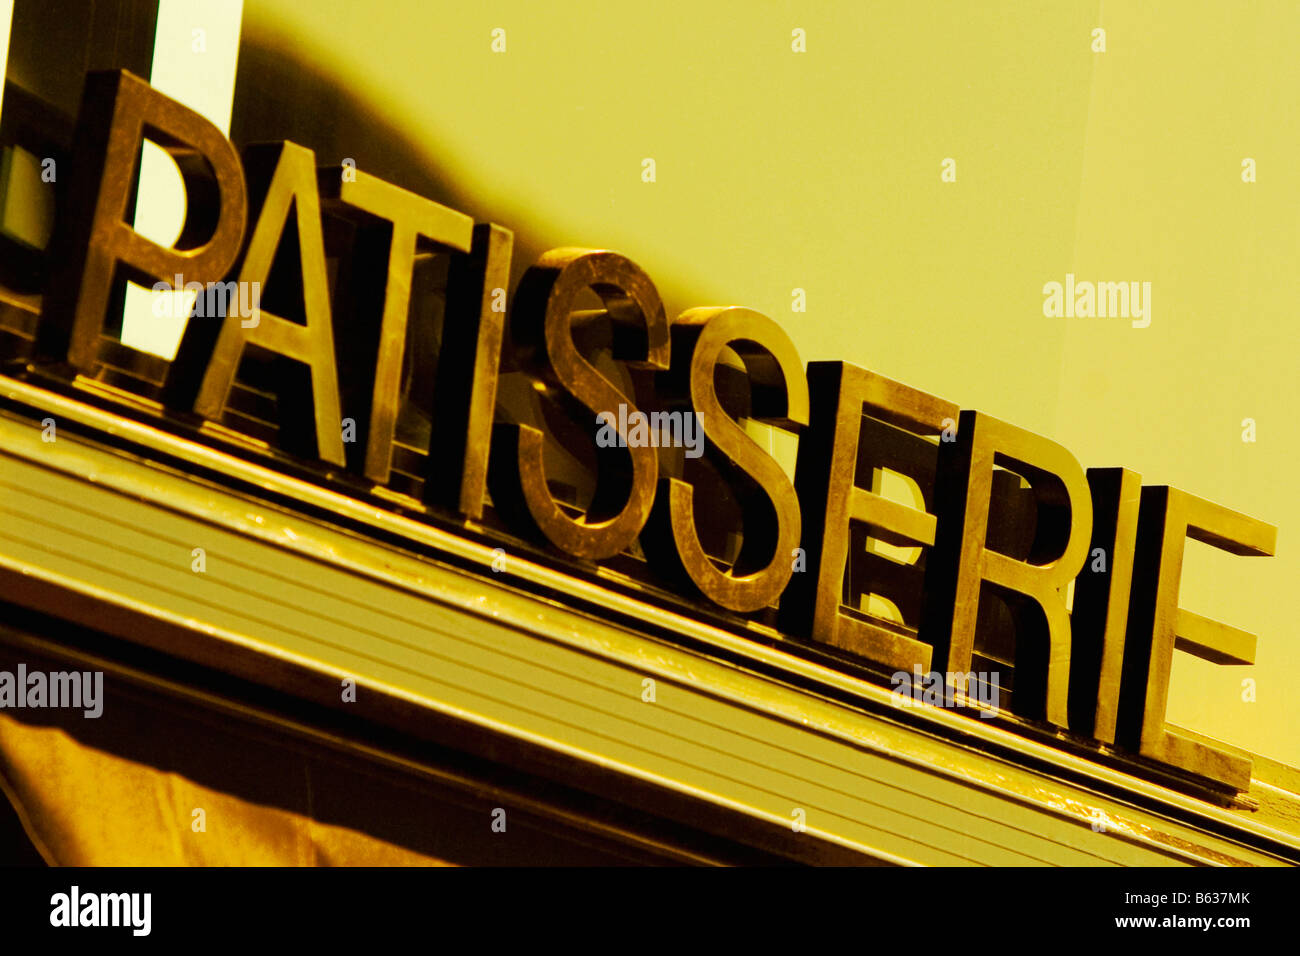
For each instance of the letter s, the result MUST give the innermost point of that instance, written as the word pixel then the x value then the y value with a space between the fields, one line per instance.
pixel 770 508
pixel 542 327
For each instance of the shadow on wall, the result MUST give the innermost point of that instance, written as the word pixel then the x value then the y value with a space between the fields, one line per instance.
pixel 278 96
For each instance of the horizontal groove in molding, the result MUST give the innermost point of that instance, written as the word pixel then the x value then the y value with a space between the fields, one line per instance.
pixel 92 520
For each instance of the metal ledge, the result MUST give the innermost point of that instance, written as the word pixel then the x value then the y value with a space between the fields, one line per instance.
pixel 88 530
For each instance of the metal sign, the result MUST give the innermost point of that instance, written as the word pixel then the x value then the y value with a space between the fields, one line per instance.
pixel 1004 524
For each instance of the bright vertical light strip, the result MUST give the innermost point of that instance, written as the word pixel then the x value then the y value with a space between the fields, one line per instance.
pixel 195 54
pixel 6 20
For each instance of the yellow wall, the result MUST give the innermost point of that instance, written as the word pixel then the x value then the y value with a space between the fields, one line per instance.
pixel 821 170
